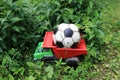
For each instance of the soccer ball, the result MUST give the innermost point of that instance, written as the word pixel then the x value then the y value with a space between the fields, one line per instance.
pixel 66 35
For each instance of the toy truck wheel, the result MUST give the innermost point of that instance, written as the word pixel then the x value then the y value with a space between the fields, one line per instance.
pixel 48 58
pixel 73 61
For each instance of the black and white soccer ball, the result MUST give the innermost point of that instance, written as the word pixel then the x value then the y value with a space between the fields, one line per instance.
pixel 66 35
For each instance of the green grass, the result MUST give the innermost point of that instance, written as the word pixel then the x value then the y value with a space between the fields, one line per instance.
pixel 109 69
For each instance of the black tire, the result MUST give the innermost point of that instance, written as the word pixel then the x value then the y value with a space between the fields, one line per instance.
pixel 73 61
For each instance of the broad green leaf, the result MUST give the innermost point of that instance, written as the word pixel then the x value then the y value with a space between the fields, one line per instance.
pixel 15 19
pixel 8 13
pixel 1 39
pixel 30 64
pixel 30 78
pixel 78 25
pixel 4 61
pixel 6 26
pixel 41 17
pixel 1 50
pixel 88 23
pixel 21 70
pixel 12 51
pixel 49 71
pixel 87 30
pixel 10 77
pixel 3 20
pixel 101 34
pixel 58 17
pixel 22 28
pixel 69 1
pixel 3 45
pixel 108 38
pixel 14 38
pixel 92 43
pixel 93 52
pixel 1 78
pixel 91 36
pixel 16 28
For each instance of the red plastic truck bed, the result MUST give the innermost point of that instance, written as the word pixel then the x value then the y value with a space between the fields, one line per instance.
pixel 64 52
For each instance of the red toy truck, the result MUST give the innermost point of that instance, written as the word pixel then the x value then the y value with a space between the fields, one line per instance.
pixel 69 54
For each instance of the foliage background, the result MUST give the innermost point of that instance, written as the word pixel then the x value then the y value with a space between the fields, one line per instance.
pixel 23 24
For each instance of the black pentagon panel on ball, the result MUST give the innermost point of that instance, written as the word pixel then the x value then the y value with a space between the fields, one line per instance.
pixel 59 44
pixel 68 32
pixel 75 44
pixel 55 30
